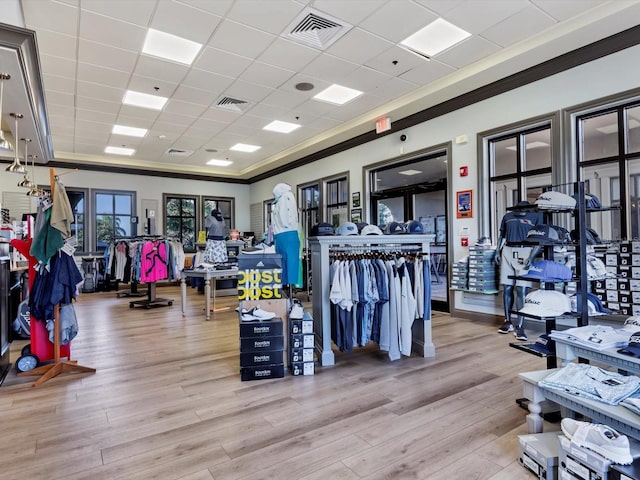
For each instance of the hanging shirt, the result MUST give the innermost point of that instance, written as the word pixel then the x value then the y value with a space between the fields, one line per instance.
pixel 153 261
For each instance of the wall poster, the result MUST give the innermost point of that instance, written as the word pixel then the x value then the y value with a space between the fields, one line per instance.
pixel 465 205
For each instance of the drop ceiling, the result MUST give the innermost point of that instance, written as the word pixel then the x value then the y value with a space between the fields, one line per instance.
pixel 90 55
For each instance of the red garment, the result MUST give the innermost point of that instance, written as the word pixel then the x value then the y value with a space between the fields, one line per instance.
pixel 153 261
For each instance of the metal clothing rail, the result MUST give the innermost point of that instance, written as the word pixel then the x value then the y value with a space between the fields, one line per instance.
pixel 322 247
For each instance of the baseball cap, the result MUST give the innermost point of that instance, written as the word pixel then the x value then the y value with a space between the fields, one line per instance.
pixel 633 347
pixel 371 230
pixel 590 201
pixel 361 225
pixel 596 269
pixel 546 303
pixel 549 271
pixel 395 228
pixel 415 226
pixel 347 228
pixel 555 200
pixel 594 306
pixel 631 324
pixel 544 344
pixel 546 235
pixel 320 229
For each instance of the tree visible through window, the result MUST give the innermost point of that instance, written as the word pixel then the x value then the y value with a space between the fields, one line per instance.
pixel 113 214
pixel 180 220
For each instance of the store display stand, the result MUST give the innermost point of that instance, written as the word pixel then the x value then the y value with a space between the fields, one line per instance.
pixel 151 300
pixel 58 366
pixel 132 292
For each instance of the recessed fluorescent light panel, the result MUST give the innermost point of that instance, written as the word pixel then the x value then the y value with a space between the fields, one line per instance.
pixel 144 100
pixel 337 94
pixel 281 127
pixel 129 131
pixel 243 147
pixel 219 163
pixel 169 47
pixel 435 38
pixel 119 151
pixel 410 172
pixel 529 146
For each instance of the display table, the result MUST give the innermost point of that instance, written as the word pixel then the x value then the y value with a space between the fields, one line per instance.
pixel 567 351
pixel 617 417
pixel 207 274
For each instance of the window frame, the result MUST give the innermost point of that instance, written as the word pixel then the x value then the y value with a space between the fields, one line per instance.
pixel 94 213
pixel 197 220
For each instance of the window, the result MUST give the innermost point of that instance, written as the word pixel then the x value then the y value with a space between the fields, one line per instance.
pixel 519 168
pixel 180 219
pixel 225 205
pixel 309 204
pixel 114 211
pixel 337 194
pixel 77 198
pixel 608 143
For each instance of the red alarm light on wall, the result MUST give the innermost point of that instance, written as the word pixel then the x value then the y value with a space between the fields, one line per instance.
pixel 464 241
pixel 464 171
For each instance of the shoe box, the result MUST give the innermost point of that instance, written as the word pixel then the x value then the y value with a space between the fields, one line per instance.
pixel 261 349
pixel 539 453
pixel 301 343
pixel 625 472
pixel 279 308
pixel 582 463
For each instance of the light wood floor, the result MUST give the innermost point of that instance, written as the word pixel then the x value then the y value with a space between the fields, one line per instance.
pixel 167 402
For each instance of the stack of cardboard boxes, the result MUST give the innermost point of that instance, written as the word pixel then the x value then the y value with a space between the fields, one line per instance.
pixel 301 344
pixel 620 291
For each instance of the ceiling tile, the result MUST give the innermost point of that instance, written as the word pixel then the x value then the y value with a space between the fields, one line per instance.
pixel 239 39
pixel 267 75
pixel 172 128
pixel 204 135
pixel 395 61
pixel 129 121
pixel 250 121
pixel 93 116
pixel 51 15
pixel 329 68
pixel 286 54
pixel 566 8
pixel 107 30
pixel 219 115
pixel 355 107
pixel 470 50
pixel 137 12
pixel 271 112
pixel 212 126
pixel 104 76
pixel 184 108
pixel 352 11
pixel 57 44
pixel 58 84
pixel 97 105
pixel 265 16
pixel 358 46
pixel 175 119
pixel 441 7
pixel 525 23
pixel 87 147
pixel 153 135
pixel 144 115
pixel 155 68
pixel 203 80
pixel 248 91
pixel 61 67
pixel 184 21
pixel 218 61
pixel 60 126
pixel 427 72
pixel 60 98
pixel 62 144
pixel 287 100
pixel 314 108
pixel 397 20
pixel 101 92
pixel 139 83
pixel 189 143
pixel 366 79
pixel 60 111
pixel 219 7
pixel 195 95
pixel 124 141
pixel 475 17
pixel 395 88
pixel 106 56
pixel 318 85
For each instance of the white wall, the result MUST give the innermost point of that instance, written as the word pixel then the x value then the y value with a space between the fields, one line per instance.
pixel 613 74
pixel 146 187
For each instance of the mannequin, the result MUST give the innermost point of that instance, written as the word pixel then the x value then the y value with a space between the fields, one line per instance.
pixel 514 258
pixel 284 220
pixel 216 249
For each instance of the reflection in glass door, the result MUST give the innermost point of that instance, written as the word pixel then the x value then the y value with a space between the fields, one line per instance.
pixel 390 210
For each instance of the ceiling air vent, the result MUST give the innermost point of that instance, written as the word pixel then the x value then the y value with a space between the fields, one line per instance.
pixel 233 104
pixel 178 152
pixel 316 29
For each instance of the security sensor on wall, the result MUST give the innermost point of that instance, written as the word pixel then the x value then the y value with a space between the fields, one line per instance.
pixel 403 138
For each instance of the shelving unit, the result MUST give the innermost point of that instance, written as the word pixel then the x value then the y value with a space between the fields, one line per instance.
pixel 582 317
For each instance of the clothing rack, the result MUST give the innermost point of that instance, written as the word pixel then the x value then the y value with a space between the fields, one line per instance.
pixel 322 247
pixel 58 366
pixel 152 300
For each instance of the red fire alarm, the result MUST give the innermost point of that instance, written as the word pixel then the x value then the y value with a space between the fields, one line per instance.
pixel 464 171
pixel 464 241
